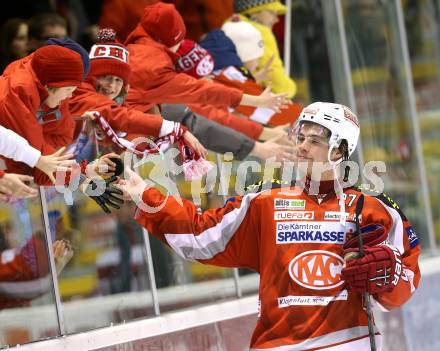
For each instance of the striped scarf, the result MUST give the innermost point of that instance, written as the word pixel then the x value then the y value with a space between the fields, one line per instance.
pixel 194 166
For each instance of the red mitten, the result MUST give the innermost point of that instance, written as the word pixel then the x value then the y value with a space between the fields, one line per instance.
pixel 378 271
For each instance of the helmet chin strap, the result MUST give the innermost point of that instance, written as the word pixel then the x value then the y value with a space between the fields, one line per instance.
pixel 338 190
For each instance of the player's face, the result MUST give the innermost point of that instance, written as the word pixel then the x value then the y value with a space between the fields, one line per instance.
pixel 312 146
pixel 109 86
pixel 56 95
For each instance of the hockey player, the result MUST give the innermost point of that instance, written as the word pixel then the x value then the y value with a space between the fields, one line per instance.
pixel 310 298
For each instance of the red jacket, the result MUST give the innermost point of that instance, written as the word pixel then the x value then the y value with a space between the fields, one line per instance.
pixel 16 269
pixel 202 16
pixel 122 15
pixel 296 245
pixel 25 272
pixel 154 80
pixel 223 116
pixel 233 77
pixel 120 118
pixel 21 96
pixel 15 272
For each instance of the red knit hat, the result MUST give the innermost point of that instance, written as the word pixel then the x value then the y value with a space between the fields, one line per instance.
pixel 57 66
pixel 109 58
pixel 163 23
pixel 194 60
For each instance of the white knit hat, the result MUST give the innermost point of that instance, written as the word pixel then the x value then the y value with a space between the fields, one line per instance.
pixel 246 38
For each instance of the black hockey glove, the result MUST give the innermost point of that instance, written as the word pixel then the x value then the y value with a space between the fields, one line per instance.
pixel 106 195
pixel 119 168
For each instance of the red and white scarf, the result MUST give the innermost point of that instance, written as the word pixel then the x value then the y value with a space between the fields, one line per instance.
pixel 194 166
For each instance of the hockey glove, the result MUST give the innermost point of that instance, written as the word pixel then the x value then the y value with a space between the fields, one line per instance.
pixel 376 272
pixel 372 234
pixel 119 165
pixel 104 197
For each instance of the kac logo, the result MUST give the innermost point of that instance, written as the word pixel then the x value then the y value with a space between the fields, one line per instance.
pixel 317 269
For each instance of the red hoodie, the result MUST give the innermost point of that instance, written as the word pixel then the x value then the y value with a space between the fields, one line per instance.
pixel 21 96
pixel 155 81
pixel 25 272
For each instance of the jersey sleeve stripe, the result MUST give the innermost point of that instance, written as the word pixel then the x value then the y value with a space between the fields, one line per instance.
pixel 395 236
pixel 211 241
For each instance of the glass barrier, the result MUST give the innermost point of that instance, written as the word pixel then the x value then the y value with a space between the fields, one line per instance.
pixel 104 272
pixel 381 95
pixel 107 276
pixel 421 24
pixel 27 300
pixel 308 51
pixel 180 283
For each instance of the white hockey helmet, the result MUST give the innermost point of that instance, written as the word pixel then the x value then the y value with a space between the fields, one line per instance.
pixel 339 119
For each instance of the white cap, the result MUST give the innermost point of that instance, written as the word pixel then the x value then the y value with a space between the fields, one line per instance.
pixel 246 38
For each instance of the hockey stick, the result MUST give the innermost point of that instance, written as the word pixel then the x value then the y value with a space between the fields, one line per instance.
pixel 366 296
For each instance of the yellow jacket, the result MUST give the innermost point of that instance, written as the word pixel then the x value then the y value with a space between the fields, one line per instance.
pixel 281 82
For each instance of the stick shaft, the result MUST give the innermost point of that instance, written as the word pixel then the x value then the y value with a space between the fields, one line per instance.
pixel 366 296
pixel 371 333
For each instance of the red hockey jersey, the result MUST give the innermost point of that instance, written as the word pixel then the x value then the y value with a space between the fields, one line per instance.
pixel 296 244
